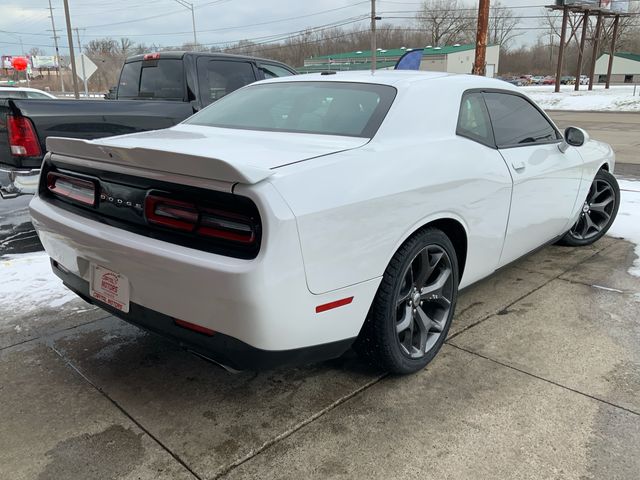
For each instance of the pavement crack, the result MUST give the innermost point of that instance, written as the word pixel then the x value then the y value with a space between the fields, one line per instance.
pixel 498 362
pixel 599 287
pixel 505 308
pixel 48 336
pixel 124 412
pixel 257 451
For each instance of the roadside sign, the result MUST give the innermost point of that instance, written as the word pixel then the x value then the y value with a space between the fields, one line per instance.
pixel 89 68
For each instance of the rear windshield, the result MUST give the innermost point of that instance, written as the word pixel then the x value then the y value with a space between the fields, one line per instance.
pixel 152 79
pixel 329 108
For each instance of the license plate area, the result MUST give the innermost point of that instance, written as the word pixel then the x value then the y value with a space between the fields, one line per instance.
pixel 109 287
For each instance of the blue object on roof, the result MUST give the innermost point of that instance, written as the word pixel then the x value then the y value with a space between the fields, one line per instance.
pixel 410 60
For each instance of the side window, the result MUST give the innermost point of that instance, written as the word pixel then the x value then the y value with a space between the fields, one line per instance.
pixel 129 80
pixel 516 122
pixel 162 78
pixel 473 120
pixel 218 78
pixel 273 71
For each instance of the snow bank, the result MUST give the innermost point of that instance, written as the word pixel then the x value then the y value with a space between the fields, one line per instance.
pixel 28 284
pixel 627 223
pixel 618 98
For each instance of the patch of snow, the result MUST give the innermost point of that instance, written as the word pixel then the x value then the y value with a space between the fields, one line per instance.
pixel 28 283
pixel 619 98
pixel 15 218
pixel 627 223
pixel 608 289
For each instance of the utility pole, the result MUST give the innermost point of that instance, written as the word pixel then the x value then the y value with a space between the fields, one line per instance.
pixel 594 54
pixel 563 41
pixel 612 52
pixel 71 54
pixel 481 38
pixel 374 50
pixel 84 75
pixel 55 42
pixel 26 70
pixel 193 19
pixel 583 39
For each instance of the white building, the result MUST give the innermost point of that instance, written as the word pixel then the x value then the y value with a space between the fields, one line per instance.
pixel 626 68
pixel 458 59
pixel 452 59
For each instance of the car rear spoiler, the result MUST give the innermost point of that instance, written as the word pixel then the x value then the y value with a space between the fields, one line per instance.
pixel 159 160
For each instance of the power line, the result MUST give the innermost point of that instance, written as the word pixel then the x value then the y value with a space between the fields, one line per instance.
pixel 274 38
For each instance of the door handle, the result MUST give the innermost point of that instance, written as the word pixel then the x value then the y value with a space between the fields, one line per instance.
pixel 519 165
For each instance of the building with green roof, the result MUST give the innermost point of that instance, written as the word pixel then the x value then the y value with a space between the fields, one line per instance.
pixel 625 69
pixel 454 59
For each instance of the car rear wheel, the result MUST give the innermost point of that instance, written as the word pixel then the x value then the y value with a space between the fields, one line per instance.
pixel 414 305
pixel 598 212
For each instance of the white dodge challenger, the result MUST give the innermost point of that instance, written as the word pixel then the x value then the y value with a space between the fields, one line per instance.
pixel 297 217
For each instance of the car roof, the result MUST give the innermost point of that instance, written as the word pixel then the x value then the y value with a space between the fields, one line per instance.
pixel 400 79
pixel 179 54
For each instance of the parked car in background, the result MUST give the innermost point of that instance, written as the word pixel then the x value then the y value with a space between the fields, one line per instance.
pixel 549 80
pixel 517 81
pixel 537 80
pixel 24 92
pixel 240 234
pixel 526 79
pixel 584 80
pixel 155 90
pixel 567 80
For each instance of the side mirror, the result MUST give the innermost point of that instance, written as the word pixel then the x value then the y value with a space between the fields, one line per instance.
pixel 574 137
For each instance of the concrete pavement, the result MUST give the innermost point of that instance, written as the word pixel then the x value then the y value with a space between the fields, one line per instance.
pixel 619 129
pixel 540 378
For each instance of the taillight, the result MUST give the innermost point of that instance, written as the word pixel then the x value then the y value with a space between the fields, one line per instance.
pixel 22 137
pixel 230 226
pixel 151 56
pixel 72 188
pixel 171 213
pixel 202 221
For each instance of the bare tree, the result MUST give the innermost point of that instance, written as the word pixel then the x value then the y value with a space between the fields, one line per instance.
pixel 447 21
pixel 36 52
pixel 126 47
pixel 502 25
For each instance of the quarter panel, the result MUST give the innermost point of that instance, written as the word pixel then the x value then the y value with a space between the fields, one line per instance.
pixel 354 209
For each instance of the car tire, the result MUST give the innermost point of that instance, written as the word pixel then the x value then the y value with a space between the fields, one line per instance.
pixel 411 313
pixel 598 212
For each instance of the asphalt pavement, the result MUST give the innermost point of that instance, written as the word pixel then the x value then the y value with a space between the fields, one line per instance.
pixel 619 129
pixel 539 378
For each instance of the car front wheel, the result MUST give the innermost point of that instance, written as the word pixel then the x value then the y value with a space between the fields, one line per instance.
pixel 599 210
pixel 414 305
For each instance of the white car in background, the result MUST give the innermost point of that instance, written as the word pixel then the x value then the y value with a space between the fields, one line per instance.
pixel 299 216
pixel 24 92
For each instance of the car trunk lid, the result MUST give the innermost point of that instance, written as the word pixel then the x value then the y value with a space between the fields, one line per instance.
pixel 226 155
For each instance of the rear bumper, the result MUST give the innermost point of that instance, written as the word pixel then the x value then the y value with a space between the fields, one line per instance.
pixel 263 303
pixel 14 182
pixel 223 349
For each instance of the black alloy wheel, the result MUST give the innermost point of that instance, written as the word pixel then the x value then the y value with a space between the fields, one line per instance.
pixel 412 311
pixel 598 211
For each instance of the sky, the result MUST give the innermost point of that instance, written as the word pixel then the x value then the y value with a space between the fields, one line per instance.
pixel 218 22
